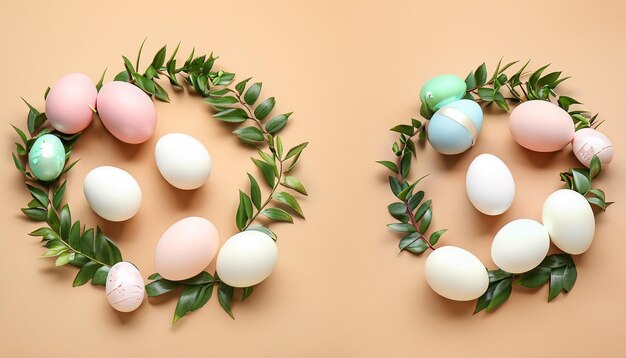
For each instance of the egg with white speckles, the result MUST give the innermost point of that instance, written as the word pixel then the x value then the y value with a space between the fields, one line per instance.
pixel 71 102
pixel 589 142
pixel 46 157
pixel 125 287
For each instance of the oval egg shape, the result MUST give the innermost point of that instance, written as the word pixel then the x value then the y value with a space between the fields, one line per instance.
pixel 112 193
pixel 489 185
pixel 70 103
pixel 589 142
pixel 456 274
pixel 454 128
pixel 520 246
pixel 186 248
pixel 441 90
pixel 125 287
pixel 246 259
pixel 127 112
pixel 46 157
pixel 541 126
pixel 569 219
pixel 183 161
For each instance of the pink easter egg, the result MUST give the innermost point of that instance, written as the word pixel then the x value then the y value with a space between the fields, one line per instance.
pixel 70 103
pixel 127 112
pixel 541 126
pixel 588 142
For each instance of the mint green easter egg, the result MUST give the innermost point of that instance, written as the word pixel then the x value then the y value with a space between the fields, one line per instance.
pixel 442 90
pixel 46 158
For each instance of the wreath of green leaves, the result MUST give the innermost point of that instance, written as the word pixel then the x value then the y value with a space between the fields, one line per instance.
pixel 414 215
pixel 94 253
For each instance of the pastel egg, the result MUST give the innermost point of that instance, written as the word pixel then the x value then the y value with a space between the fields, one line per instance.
pixel 442 90
pixel 541 126
pixel 569 219
pixel 456 274
pixel 520 246
pixel 489 185
pixel 589 142
pixel 70 103
pixel 127 112
pixel 46 157
pixel 183 161
pixel 112 193
pixel 186 248
pixel 454 128
pixel 246 259
pixel 125 287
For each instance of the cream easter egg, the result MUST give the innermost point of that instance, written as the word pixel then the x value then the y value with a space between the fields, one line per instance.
pixel 489 185
pixel 127 112
pixel 186 248
pixel 112 193
pixel 589 142
pixel 520 246
pixel 183 161
pixel 125 287
pixel 541 126
pixel 70 103
pixel 456 274
pixel 246 259
pixel 569 219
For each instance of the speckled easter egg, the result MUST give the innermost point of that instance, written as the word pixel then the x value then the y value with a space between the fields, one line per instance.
pixel 588 142
pixel 441 90
pixel 127 112
pixel 541 126
pixel 46 158
pixel 70 103
pixel 125 287
pixel 454 128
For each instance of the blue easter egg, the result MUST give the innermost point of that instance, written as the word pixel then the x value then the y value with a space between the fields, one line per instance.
pixel 46 158
pixel 454 128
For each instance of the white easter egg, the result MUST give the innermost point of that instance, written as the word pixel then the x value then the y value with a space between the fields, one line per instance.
pixel 112 193
pixel 183 161
pixel 489 184
pixel 125 287
pixel 456 274
pixel 246 259
pixel 569 219
pixel 520 246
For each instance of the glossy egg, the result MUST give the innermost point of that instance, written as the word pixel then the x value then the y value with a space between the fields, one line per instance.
pixel 441 90
pixel 490 185
pixel 70 103
pixel 246 259
pixel 183 161
pixel 520 246
pixel 541 126
pixel 454 128
pixel 569 219
pixel 127 112
pixel 46 157
pixel 186 248
pixel 456 274
pixel 125 287
pixel 112 193
pixel 588 142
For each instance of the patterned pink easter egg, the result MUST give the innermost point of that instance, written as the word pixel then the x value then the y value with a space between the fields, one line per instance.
pixel 70 103
pixel 541 126
pixel 588 142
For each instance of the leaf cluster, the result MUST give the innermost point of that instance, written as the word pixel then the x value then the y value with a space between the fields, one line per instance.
pixel 580 180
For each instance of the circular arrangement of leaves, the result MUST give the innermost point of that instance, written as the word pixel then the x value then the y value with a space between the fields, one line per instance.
pixel 93 253
pixel 414 214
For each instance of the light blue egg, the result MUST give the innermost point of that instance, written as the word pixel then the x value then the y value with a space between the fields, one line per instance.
pixel 450 128
pixel 46 157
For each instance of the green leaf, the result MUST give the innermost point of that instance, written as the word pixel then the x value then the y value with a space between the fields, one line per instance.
pixel 486 94
pixel 277 214
pixel 220 101
pixel 295 184
pixel 204 296
pixel 36 214
pixel 402 227
pixel 480 75
pixel 46 233
pixel 425 111
pixel 404 129
pixel 53 220
pixel 582 184
pixel 18 164
pixel 406 192
pixel 225 298
pixel 390 165
pixel 100 276
pixel 277 123
pixel 252 94
pixel 255 192
pixel 565 102
pixel 85 273
pixel 422 209
pixel 241 219
pixel 145 84
pixel 122 77
pixel 296 150
pixel 62 259
pixel 251 134
pixel 263 109
pixel 187 298
pixel 160 93
pixel 599 193
pixel 426 219
pixel 289 200
pixel 55 248
pixel 239 87
pixel 535 277
pixel 548 79
pixel 129 66
pixel 247 203
pixel 20 134
pixel 247 291
pixel 395 185
pixel 160 287
pixel 38 194
pixel 501 293
pixel 65 223
pixel 105 250
pixel 232 115
pixel 405 164
pixel 556 282
pixel 413 243
pixel 595 167
pixel 266 169
pixel 87 242
pixel 159 58
pixel 569 277
pixel 470 81
pixel 264 230
pixel 534 78
pixel 434 237
pixel 398 211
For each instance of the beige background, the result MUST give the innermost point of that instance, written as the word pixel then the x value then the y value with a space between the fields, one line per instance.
pixel 349 70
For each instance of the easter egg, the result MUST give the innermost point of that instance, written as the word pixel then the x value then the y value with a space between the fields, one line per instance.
pixel 541 126
pixel 124 287
pixel 589 142
pixel 489 185
pixel 441 90
pixel 186 248
pixel 46 157
pixel 112 193
pixel 183 161
pixel 520 246
pixel 246 259
pixel 456 274
pixel 127 112
pixel 70 103
pixel 569 219
pixel 454 128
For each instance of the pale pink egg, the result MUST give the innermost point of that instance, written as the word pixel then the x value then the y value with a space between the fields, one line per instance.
pixel 186 248
pixel 70 103
pixel 541 126
pixel 127 112
pixel 588 142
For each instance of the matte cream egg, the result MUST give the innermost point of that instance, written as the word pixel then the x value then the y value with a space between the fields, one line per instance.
pixel 589 142
pixel 456 274
pixel 520 246
pixel 541 126
pixel 489 185
pixel 125 287
pixel 183 161
pixel 246 259
pixel 112 193
pixel 569 219
pixel 70 103
pixel 186 248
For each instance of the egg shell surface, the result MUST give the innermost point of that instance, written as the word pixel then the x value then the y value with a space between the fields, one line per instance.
pixel 125 287
pixel 441 90
pixel 541 126
pixel 447 135
pixel 589 142
pixel 246 259
pixel 489 185
pixel 183 161
pixel 456 274
pixel 569 219
pixel 112 193
pixel 70 103
pixel 46 157
pixel 520 246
